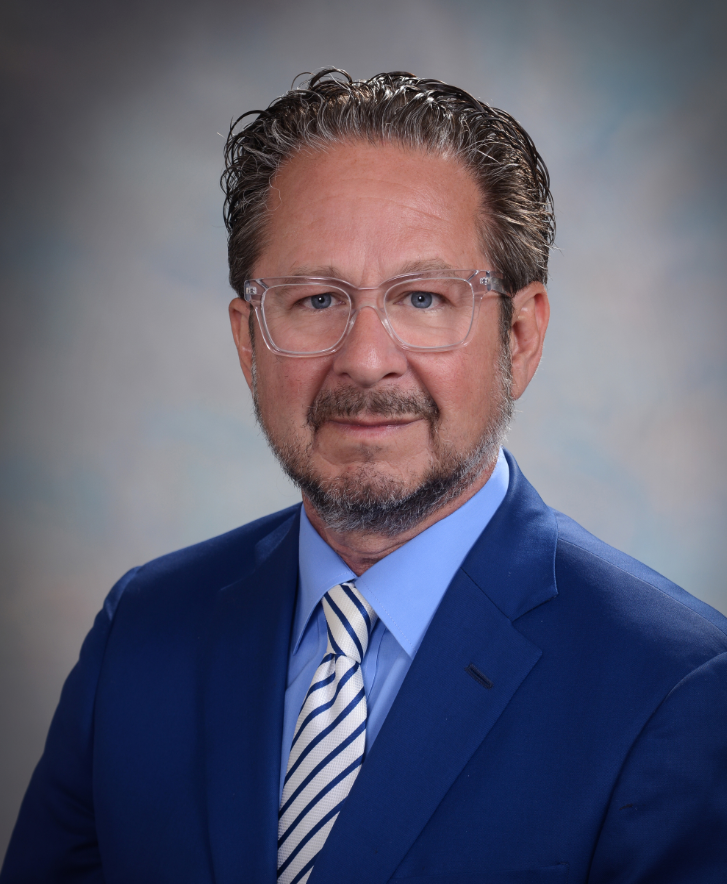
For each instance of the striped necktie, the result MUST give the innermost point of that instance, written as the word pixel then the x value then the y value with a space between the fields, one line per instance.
pixel 330 737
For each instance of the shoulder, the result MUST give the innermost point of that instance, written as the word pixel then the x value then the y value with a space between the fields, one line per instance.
pixel 610 593
pixel 600 617
pixel 204 568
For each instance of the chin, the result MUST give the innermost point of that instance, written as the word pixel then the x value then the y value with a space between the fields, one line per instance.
pixel 367 499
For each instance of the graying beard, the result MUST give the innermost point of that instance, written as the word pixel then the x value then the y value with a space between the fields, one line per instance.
pixel 382 506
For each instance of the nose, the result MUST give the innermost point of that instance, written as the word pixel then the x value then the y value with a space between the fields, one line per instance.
pixel 369 354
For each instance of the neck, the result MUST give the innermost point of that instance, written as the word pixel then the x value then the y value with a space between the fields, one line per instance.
pixel 362 549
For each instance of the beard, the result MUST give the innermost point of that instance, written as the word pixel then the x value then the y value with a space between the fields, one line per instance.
pixel 364 499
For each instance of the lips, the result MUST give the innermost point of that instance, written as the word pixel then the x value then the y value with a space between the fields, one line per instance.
pixel 362 421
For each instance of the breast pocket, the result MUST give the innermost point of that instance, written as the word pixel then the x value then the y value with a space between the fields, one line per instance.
pixel 557 874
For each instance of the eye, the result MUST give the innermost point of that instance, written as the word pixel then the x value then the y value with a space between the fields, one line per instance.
pixel 421 299
pixel 320 302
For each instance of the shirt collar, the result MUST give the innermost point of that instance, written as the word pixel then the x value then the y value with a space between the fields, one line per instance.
pixel 406 587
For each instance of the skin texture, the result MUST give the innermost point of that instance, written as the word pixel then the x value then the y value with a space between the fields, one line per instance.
pixel 365 213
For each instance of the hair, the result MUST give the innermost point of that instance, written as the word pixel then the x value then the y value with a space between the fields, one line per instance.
pixel 518 222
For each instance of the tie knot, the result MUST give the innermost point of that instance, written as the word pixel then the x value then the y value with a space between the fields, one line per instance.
pixel 350 619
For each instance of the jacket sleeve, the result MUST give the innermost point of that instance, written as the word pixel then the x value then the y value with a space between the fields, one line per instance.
pixel 55 839
pixel 667 819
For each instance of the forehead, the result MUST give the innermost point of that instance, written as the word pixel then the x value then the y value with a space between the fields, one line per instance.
pixel 368 211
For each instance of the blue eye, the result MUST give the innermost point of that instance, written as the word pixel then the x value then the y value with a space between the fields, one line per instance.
pixel 421 299
pixel 320 302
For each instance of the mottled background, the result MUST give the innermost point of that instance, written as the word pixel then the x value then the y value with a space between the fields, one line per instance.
pixel 126 427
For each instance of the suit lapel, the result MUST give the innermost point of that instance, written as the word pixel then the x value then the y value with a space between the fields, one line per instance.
pixel 244 688
pixel 443 712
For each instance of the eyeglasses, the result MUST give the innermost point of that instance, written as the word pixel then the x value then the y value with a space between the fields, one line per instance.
pixel 312 316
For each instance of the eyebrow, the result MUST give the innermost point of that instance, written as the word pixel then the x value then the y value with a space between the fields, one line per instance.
pixel 331 271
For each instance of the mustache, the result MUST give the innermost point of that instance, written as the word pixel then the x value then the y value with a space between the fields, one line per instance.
pixel 348 402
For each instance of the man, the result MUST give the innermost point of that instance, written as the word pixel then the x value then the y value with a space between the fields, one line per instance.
pixel 424 673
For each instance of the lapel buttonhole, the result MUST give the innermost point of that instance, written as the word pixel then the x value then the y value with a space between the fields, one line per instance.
pixel 478 676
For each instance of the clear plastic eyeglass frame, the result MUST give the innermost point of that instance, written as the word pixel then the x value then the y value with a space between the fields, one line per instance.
pixel 481 282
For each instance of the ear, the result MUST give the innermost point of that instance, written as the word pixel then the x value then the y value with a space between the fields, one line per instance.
pixel 240 322
pixel 531 312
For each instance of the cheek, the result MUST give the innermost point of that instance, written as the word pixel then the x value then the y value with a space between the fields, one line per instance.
pixel 287 387
pixel 463 389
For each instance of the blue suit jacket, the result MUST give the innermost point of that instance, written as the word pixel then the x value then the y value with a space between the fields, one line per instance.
pixel 594 748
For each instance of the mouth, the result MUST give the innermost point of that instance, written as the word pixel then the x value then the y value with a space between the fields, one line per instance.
pixel 373 421
pixel 371 426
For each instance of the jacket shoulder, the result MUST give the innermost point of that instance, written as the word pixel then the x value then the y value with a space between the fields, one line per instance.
pixel 628 586
pixel 208 566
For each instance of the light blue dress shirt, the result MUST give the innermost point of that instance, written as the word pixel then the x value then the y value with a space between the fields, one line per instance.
pixel 404 588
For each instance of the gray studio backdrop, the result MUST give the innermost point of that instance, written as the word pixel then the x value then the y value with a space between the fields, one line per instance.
pixel 126 427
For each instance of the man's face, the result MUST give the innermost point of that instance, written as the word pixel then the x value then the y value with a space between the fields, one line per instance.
pixel 373 422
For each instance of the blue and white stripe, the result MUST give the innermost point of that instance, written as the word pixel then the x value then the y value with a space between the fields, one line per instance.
pixel 330 737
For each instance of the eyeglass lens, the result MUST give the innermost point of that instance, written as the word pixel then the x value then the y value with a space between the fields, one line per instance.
pixel 311 317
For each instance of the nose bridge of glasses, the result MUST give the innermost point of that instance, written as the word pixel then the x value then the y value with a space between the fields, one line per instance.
pixel 367 296
pixel 377 308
